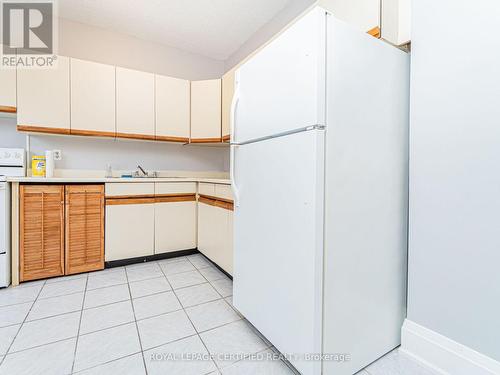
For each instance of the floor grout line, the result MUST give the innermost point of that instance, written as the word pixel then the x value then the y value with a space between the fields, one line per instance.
pixel 223 298
pixel 41 345
pixel 53 316
pixel 21 325
pixel 85 291
pixel 79 324
pixel 241 318
pixel 136 325
pixel 131 299
pixel 55 280
pixel 113 303
pixel 197 333
pixel 68 338
pixel 105 363
pixel 111 327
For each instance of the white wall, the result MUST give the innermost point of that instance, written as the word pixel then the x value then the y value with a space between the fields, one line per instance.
pixel 96 153
pixel 363 14
pixel 96 44
pixel 454 247
pixel 265 33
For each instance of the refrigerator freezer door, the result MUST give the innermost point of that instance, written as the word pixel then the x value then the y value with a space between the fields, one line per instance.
pixel 282 87
pixel 278 240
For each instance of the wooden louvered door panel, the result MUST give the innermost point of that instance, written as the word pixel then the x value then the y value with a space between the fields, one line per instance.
pixel 84 228
pixel 41 231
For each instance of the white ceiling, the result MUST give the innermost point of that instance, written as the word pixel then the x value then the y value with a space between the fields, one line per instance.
pixel 213 28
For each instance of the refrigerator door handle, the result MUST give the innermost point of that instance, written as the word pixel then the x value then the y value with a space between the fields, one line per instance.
pixel 232 162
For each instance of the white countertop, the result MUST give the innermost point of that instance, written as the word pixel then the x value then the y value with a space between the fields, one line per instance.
pixel 116 179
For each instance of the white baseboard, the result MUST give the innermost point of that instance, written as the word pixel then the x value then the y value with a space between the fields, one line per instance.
pixel 444 355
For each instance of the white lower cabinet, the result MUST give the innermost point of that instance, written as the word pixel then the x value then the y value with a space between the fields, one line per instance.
pixel 145 218
pixel 215 226
pixel 227 258
pixel 175 226
pixel 130 230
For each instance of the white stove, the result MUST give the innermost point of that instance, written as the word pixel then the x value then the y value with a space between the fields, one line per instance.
pixel 12 163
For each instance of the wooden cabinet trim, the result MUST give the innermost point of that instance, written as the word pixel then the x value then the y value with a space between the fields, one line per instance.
pixel 216 202
pixel 226 138
pixel 167 198
pixel 92 133
pixel 164 138
pixel 206 140
pixel 7 109
pixel 145 137
pixel 42 129
pixel 137 196
pixel 150 198
pixel 123 201
pixel 171 195
pixel 212 197
pixel 375 32
pixel 206 200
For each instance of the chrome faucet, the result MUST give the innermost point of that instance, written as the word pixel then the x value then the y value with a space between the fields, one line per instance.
pixel 142 173
pixel 145 174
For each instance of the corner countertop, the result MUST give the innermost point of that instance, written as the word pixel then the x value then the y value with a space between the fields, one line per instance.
pixel 75 180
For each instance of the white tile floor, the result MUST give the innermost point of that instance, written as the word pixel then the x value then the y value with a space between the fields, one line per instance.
pixel 136 320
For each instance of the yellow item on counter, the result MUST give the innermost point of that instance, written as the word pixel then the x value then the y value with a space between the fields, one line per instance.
pixel 38 166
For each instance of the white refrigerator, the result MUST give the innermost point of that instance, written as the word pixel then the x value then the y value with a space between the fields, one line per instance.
pixel 319 169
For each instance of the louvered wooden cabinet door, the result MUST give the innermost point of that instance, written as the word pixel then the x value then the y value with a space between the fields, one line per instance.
pixel 84 228
pixel 41 231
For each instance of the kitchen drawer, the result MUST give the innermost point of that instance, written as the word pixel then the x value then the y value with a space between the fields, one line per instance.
pixel 124 189
pixel 175 188
pixel 223 191
pixel 206 189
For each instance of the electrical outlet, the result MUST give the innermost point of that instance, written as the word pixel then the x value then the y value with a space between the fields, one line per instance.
pixel 57 154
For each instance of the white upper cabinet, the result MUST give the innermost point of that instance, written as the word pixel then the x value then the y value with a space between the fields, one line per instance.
pixel 92 98
pixel 396 21
pixel 363 14
pixel 135 104
pixel 227 99
pixel 43 98
pixel 172 97
pixel 7 89
pixel 206 111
